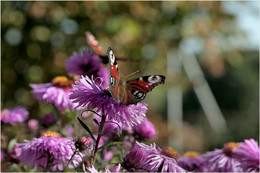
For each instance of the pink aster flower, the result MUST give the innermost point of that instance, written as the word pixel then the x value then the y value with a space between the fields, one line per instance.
pixel 49 151
pixel 191 161
pixel 33 125
pixel 145 130
pixel 222 160
pixel 135 159
pixel 163 160
pixel 91 95
pixel 86 63
pixel 108 155
pixel 15 115
pixel 115 169
pixel 56 92
pixel 247 153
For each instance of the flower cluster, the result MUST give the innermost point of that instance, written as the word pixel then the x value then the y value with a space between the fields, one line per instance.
pixel 233 157
pixel 113 141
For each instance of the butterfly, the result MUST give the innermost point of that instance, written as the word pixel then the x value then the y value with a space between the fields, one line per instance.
pixel 91 40
pixel 131 91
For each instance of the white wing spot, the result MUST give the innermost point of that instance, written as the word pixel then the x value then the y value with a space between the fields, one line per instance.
pixel 154 79
pixel 135 92
pixel 112 57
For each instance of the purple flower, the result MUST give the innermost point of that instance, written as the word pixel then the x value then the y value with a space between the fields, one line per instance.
pixel 108 155
pixel 222 160
pixel 16 115
pixel 33 125
pixel 49 151
pixel 135 159
pixel 2 155
pixel 247 153
pixel 56 92
pixel 48 120
pixel 15 154
pixel 69 130
pixel 90 95
pixel 191 161
pixel 86 63
pixel 145 130
pixel 163 160
pixel 116 169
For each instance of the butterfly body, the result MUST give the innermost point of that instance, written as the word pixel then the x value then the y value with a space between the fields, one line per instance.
pixel 132 91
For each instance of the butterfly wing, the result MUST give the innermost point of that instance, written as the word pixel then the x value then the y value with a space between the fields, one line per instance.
pixel 94 43
pixel 97 49
pixel 142 85
pixel 113 64
pixel 115 83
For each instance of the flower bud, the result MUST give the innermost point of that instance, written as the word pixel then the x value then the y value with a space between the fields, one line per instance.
pixel 82 143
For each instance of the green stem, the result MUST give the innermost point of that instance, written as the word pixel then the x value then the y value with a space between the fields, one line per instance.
pixel 59 117
pixel 99 136
pixel 70 160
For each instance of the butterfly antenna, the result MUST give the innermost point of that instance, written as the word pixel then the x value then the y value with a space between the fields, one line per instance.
pixel 137 71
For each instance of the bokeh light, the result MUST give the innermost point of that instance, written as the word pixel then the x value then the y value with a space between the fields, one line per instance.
pixel 13 36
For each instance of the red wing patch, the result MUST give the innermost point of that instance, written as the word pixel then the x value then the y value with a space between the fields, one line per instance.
pixel 94 43
pixel 146 83
pixel 113 64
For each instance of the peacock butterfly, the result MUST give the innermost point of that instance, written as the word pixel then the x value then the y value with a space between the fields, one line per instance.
pixel 131 91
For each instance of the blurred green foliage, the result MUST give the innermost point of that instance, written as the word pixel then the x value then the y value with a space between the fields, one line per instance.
pixel 37 38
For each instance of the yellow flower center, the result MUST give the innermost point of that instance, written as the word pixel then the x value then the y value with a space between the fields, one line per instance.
pixel 168 151
pixel 228 147
pixel 62 82
pixel 51 134
pixel 191 154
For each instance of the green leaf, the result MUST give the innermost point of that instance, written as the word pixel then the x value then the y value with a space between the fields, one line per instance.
pixel 111 143
pixel 11 144
pixel 84 167
pixel 92 157
pixel 87 129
